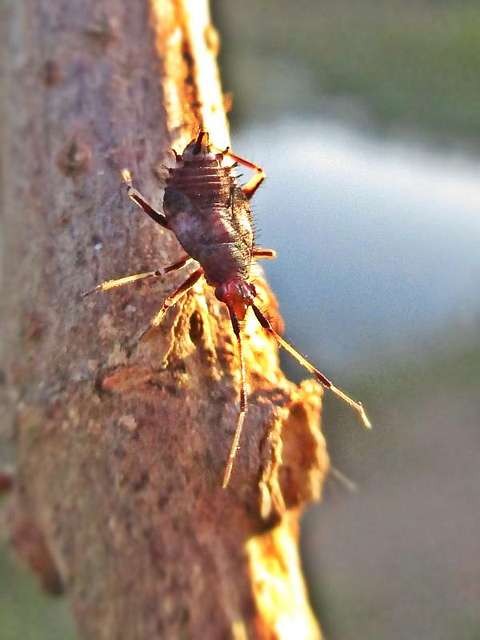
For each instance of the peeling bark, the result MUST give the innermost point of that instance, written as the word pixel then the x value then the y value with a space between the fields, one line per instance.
pixel 120 446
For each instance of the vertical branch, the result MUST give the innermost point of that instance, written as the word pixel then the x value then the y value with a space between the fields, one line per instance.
pixel 120 447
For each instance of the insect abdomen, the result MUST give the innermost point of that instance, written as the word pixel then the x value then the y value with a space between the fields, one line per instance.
pixel 211 218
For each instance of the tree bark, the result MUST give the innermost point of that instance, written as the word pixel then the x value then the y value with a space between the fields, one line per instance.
pixel 120 445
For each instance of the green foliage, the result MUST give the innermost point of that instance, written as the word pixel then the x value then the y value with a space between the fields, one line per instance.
pixel 26 613
pixel 408 63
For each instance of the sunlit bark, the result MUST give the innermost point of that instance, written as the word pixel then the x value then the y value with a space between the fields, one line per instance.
pixel 121 446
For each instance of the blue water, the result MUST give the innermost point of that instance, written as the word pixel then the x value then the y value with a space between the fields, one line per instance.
pixel 378 241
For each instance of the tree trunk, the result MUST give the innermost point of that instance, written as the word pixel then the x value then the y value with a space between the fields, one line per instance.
pixel 120 445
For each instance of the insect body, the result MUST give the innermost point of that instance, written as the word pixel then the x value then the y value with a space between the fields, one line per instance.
pixel 209 213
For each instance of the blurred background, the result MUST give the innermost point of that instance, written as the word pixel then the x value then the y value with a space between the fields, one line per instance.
pixel 366 117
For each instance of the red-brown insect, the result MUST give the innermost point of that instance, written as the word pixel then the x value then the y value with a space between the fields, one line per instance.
pixel 210 215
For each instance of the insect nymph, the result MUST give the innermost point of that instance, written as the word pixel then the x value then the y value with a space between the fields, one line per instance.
pixel 209 213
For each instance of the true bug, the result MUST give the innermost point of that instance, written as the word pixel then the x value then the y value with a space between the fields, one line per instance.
pixel 209 213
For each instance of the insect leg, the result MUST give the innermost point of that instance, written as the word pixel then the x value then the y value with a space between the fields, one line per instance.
pixel 202 141
pixel 264 254
pixel 137 197
pixel 243 402
pixel 256 180
pixel 119 282
pixel 328 384
pixel 173 298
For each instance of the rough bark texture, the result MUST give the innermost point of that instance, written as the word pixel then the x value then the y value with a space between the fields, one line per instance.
pixel 120 446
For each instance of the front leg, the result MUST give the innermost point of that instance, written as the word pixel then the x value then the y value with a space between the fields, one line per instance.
pixel 137 197
pixel 172 299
